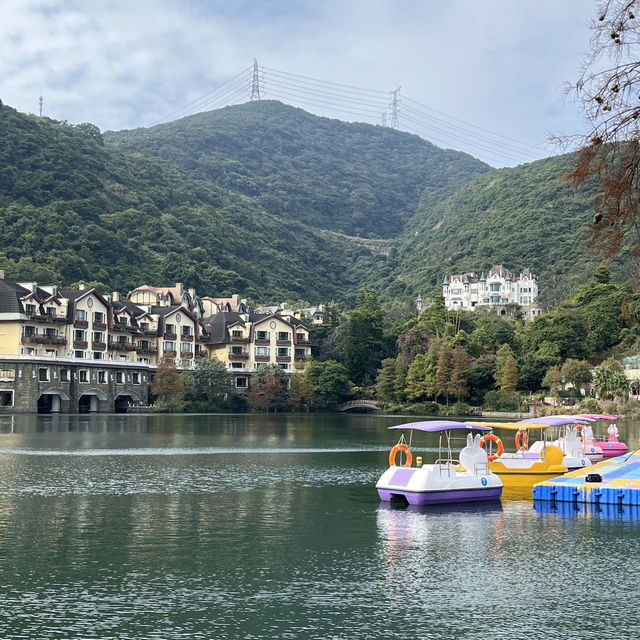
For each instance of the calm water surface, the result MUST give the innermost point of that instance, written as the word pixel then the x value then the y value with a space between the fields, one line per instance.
pixel 270 527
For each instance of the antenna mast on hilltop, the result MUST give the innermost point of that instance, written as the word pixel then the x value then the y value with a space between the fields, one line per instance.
pixel 41 102
pixel 255 82
pixel 394 108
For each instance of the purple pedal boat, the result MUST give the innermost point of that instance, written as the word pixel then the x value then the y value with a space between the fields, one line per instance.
pixel 448 480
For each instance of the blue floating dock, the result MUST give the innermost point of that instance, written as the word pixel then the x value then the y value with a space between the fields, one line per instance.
pixel 620 484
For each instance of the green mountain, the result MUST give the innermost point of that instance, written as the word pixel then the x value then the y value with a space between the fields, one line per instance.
pixel 352 178
pixel 275 203
pixel 268 212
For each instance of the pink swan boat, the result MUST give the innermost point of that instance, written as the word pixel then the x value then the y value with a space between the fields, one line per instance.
pixel 611 447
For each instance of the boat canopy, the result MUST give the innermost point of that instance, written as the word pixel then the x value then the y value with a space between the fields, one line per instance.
pixel 594 416
pixel 554 421
pixel 511 426
pixel 433 426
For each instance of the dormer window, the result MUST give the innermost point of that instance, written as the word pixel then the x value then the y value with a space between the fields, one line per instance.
pixel 30 309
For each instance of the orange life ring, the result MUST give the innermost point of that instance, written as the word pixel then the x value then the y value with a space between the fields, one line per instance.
pixel 494 438
pixel 524 444
pixel 400 447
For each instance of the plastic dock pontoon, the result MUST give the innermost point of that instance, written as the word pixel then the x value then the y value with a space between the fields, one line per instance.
pixel 614 481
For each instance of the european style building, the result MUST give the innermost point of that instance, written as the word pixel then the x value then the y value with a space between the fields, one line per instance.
pixel 76 350
pixel 496 290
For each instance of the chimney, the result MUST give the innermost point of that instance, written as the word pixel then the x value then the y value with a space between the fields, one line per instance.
pixel 192 293
pixel 81 287
pixel 235 300
pixel 115 296
pixel 179 289
pixel 34 287
pixel 1 274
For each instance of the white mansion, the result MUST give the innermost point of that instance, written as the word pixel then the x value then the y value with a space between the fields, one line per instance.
pixel 496 290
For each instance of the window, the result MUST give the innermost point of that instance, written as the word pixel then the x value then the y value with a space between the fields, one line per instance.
pixel 83 375
pixel 495 287
pixel 98 336
pixel 262 335
pixel 119 377
pixel 169 345
pixel 30 309
pixel 144 360
pixel 79 354
pixel 262 351
pixel 81 314
pixel 237 365
pixel 30 331
pixel 98 317
pixel 186 330
pixel 7 374
pixel 102 377
pixel 284 335
pixel 29 351
pixel 170 328
pixel 241 383
pixel 122 320
pixel 283 352
pixel 43 374
pixel 98 355
pixel 236 334
pixel 79 334
pixel 136 377
pixel 65 375
pixel 6 398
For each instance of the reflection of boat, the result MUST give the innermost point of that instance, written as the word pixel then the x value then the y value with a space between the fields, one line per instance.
pixel 519 471
pixel 447 480
pixel 611 447
pixel 462 507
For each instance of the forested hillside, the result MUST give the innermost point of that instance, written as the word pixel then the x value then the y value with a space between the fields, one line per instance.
pixel 352 178
pixel 73 209
pixel 274 203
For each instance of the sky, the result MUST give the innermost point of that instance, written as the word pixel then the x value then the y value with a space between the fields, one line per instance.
pixel 483 76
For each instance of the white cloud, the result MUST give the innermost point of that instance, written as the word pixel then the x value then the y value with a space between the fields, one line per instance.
pixel 497 63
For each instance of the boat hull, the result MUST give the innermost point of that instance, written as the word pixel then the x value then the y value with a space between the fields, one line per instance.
pixel 452 496
pixel 612 449
pixel 438 484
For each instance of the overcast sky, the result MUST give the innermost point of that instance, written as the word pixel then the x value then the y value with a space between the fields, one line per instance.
pixel 497 65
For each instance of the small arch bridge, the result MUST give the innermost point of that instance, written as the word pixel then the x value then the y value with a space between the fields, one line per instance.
pixel 360 404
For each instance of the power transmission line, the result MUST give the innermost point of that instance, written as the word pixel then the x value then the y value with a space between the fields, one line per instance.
pixel 373 106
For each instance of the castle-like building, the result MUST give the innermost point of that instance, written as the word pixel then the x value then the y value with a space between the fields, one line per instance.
pixel 496 290
pixel 76 350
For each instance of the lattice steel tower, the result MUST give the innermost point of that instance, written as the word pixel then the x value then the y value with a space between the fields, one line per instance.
pixel 255 82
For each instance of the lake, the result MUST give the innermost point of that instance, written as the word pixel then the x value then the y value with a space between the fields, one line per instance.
pixel 256 527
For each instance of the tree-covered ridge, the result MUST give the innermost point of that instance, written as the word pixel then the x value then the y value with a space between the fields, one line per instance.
pixel 526 216
pixel 72 209
pixel 348 177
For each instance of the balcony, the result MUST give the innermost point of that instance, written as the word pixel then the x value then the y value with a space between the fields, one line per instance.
pixel 122 346
pixel 300 356
pixel 239 339
pixel 80 344
pixel 150 351
pixel 99 325
pixel 36 317
pixel 262 341
pixel 171 354
pixel 80 323
pixel 186 354
pixel 302 340
pixel 284 343
pixel 262 358
pixel 238 353
pixel 283 358
pixel 170 336
pixel 44 339
pixel 98 346
pixel 186 337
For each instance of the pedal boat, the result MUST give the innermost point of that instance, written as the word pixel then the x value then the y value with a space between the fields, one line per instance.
pixel 520 470
pixel 576 443
pixel 611 447
pixel 448 480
